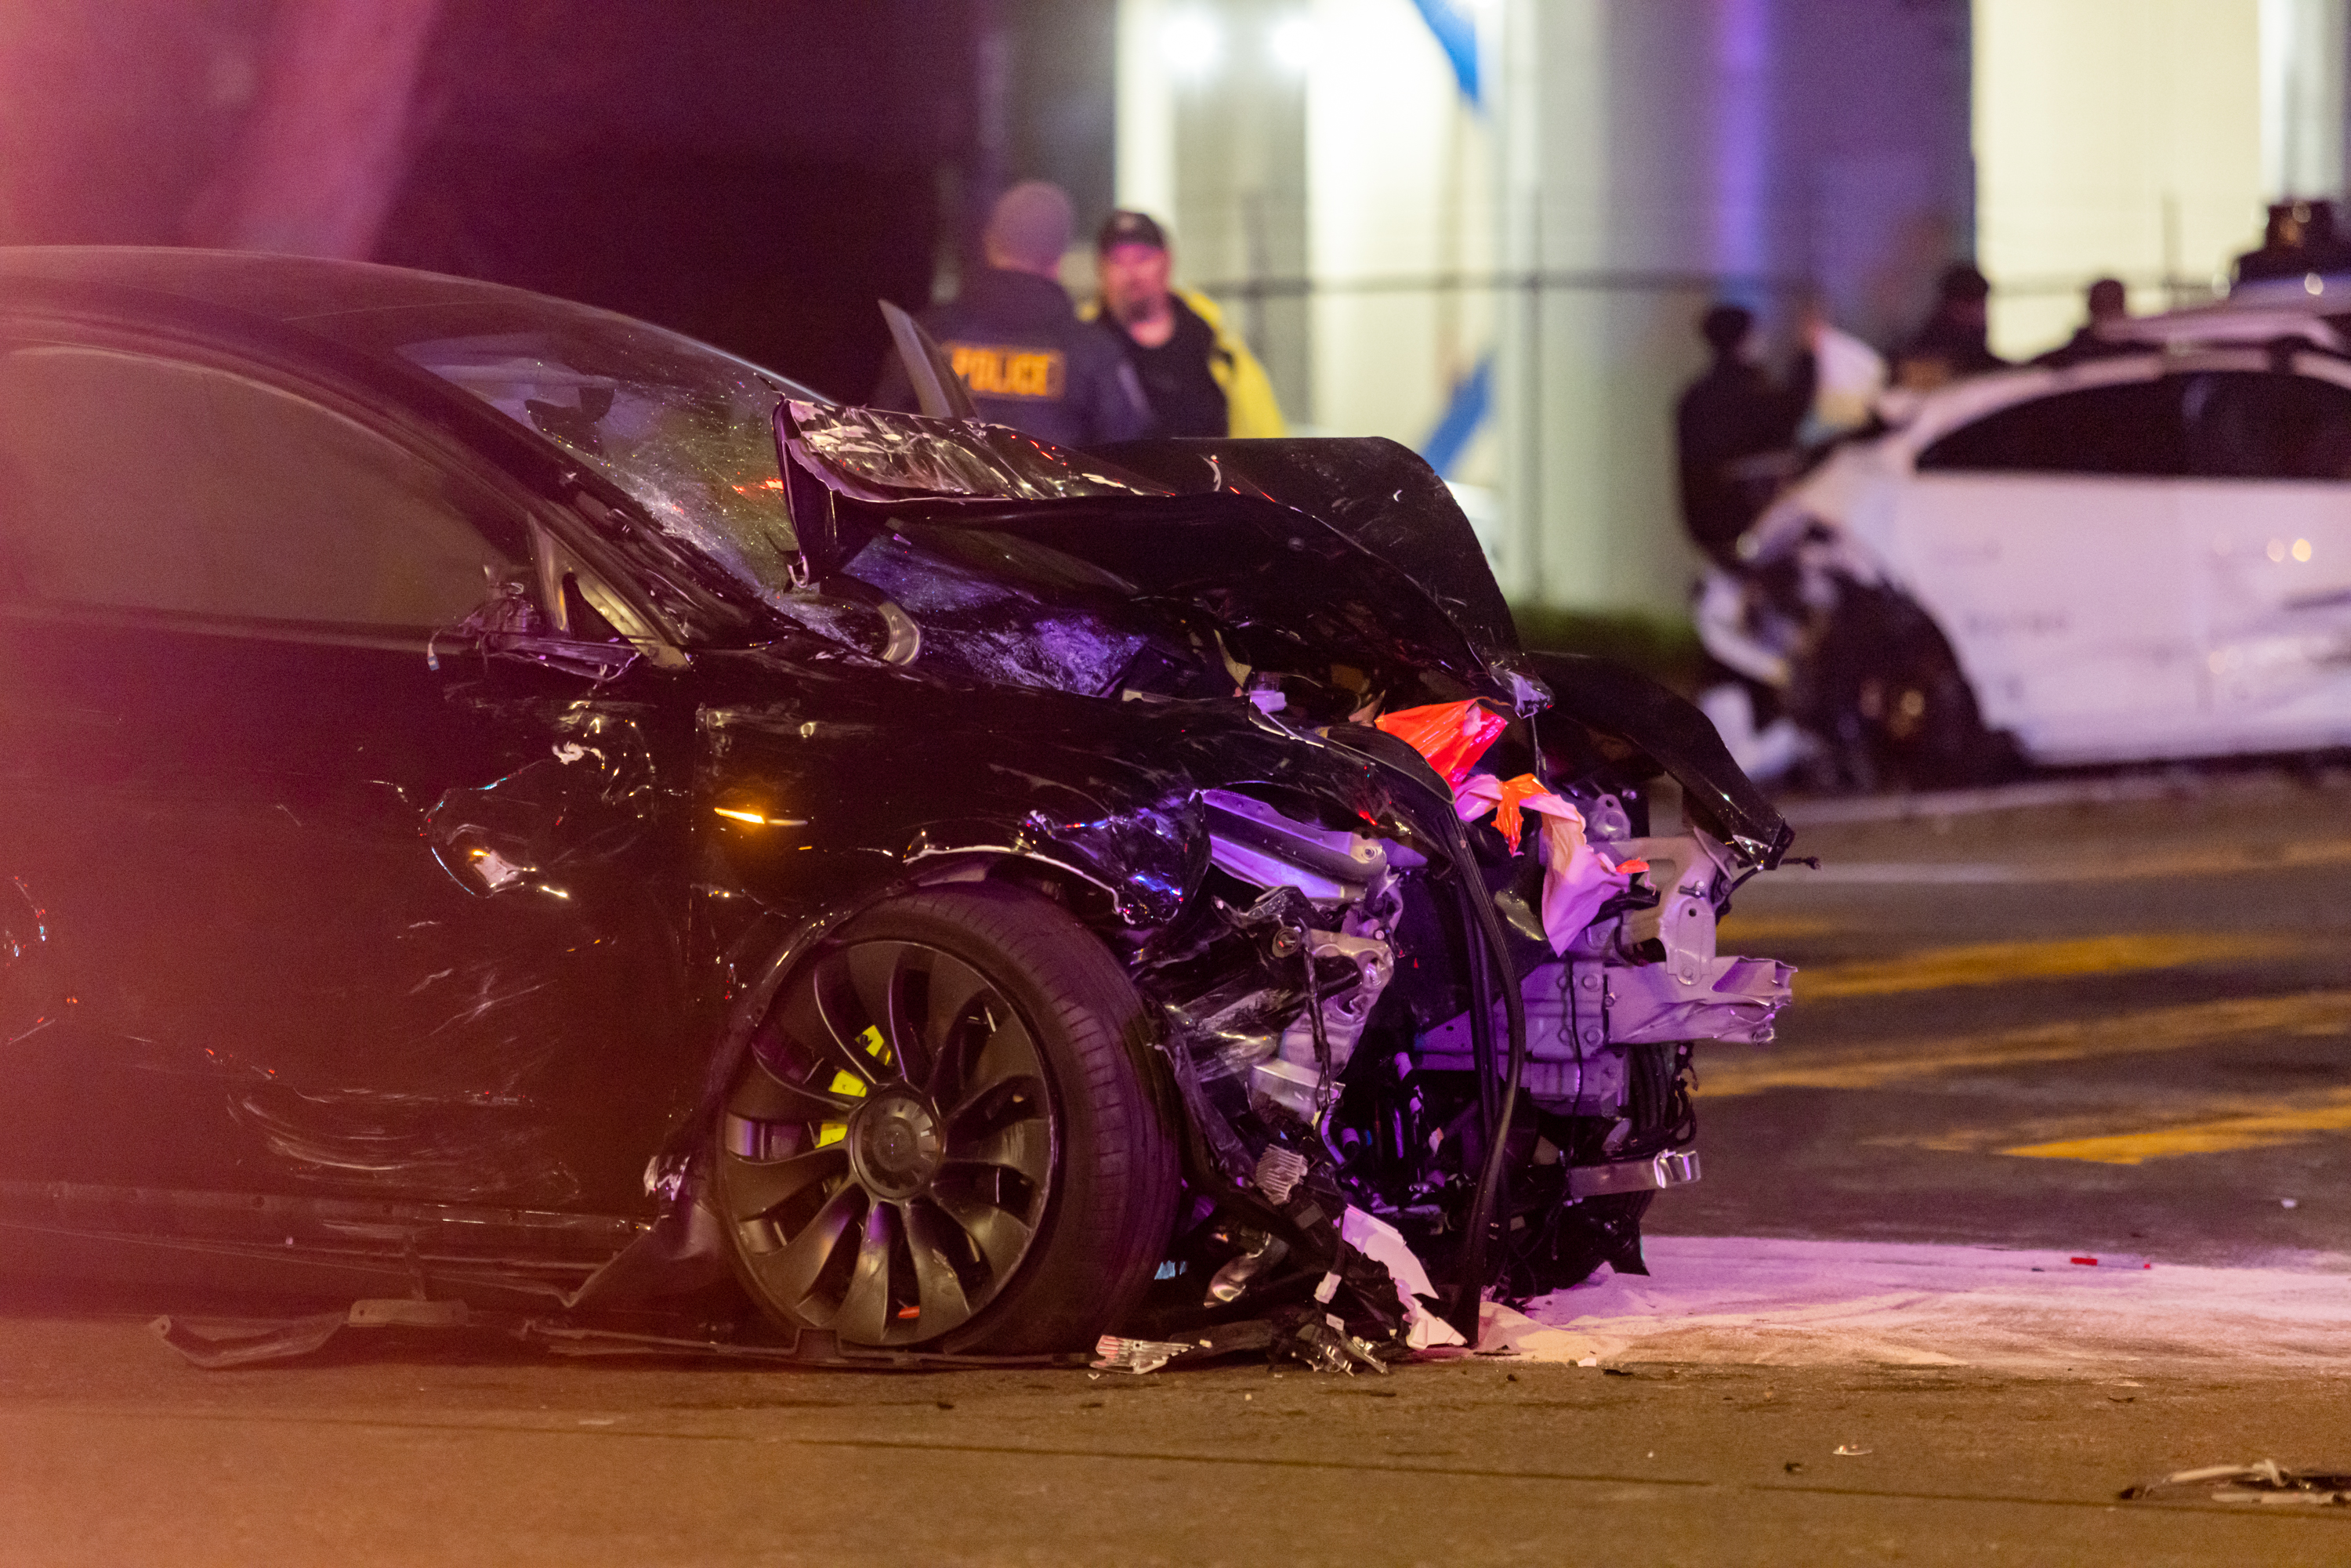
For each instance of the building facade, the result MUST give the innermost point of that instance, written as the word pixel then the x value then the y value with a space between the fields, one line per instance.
pixel 1485 228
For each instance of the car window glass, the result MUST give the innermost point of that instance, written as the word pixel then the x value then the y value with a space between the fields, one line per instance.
pixel 687 431
pixel 2259 425
pixel 134 482
pixel 2134 428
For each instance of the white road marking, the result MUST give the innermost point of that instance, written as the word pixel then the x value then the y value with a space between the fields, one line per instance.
pixel 1761 1300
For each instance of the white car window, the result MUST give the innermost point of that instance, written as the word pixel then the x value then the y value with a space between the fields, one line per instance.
pixel 2255 424
pixel 2134 428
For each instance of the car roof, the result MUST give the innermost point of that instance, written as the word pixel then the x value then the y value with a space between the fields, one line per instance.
pixel 2140 348
pixel 2227 324
pixel 285 289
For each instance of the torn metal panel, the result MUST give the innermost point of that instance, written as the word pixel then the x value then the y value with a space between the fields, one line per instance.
pixel 1576 1008
pixel 2262 1481
pixel 1375 491
pixel 1673 1167
pixel 875 455
pixel 1287 581
pixel 1627 707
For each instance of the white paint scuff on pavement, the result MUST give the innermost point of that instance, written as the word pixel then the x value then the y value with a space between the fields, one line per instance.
pixel 1763 1301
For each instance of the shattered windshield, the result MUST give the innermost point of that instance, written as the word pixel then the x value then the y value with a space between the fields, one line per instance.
pixel 686 431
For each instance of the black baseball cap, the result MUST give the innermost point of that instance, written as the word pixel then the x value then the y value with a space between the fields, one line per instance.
pixel 1125 227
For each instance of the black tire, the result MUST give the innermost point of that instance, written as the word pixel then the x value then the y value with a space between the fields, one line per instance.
pixel 1884 687
pixel 950 1134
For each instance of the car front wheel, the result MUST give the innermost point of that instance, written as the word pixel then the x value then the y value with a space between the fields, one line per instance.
pixel 1883 688
pixel 947 1133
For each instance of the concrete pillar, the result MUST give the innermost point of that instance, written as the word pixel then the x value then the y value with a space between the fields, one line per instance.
pixel 2303 122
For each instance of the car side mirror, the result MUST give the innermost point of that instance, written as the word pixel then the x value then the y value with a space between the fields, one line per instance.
pixel 939 393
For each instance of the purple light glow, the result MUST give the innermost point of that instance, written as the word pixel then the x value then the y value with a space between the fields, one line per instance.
pixel 1743 135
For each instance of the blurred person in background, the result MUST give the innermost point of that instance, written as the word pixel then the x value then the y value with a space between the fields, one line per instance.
pixel 1735 429
pixel 1734 433
pixel 1956 339
pixel 1015 339
pixel 2107 304
pixel 1198 378
pixel 1846 376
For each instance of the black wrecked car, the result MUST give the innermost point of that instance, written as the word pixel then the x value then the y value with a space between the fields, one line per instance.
pixel 500 803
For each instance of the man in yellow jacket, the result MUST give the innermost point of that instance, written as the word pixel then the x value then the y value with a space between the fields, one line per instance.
pixel 1199 377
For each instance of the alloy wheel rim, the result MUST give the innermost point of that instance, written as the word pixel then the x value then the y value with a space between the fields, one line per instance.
pixel 887 1157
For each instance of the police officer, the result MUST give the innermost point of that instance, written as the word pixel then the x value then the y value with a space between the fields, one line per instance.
pixel 1016 342
pixel 1199 379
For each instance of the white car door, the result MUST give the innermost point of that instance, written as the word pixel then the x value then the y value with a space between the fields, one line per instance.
pixel 2268 504
pixel 2045 537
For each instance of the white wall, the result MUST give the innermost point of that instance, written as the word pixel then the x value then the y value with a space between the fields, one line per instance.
pixel 1401 173
pixel 2112 136
pixel 1145 153
pixel 2302 47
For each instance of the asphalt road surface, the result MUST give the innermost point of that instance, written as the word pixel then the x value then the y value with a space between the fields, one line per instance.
pixel 2110 1028
pixel 2101 1026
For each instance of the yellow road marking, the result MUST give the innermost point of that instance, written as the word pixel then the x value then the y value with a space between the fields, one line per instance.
pixel 2260 1130
pixel 2124 1034
pixel 2203 860
pixel 1748 930
pixel 1996 963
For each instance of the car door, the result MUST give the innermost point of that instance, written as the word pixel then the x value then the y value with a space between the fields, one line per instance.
pixel 337 902
pixel 2045 536
pixel 2268 504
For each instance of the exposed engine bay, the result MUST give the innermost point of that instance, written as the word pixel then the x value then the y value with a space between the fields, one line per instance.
pixel 1316 1024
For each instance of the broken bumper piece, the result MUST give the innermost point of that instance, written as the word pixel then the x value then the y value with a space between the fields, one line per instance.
pixel 1674 1167
pixel 1581 1015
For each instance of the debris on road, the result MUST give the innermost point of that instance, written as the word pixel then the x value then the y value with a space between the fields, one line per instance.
pixel 2264 1481
pixel 1112 1354
pixel 1323 1342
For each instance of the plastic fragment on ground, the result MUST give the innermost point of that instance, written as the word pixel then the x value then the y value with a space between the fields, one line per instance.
pixel 1112 1354
pixel 1452 736
pixel 217 1343
pixel 1384 1244
pixel 214 1344
pixel 2263 1481
pixel 1850 1452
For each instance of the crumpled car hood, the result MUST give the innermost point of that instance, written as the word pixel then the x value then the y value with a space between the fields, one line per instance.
pixel 1351 548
